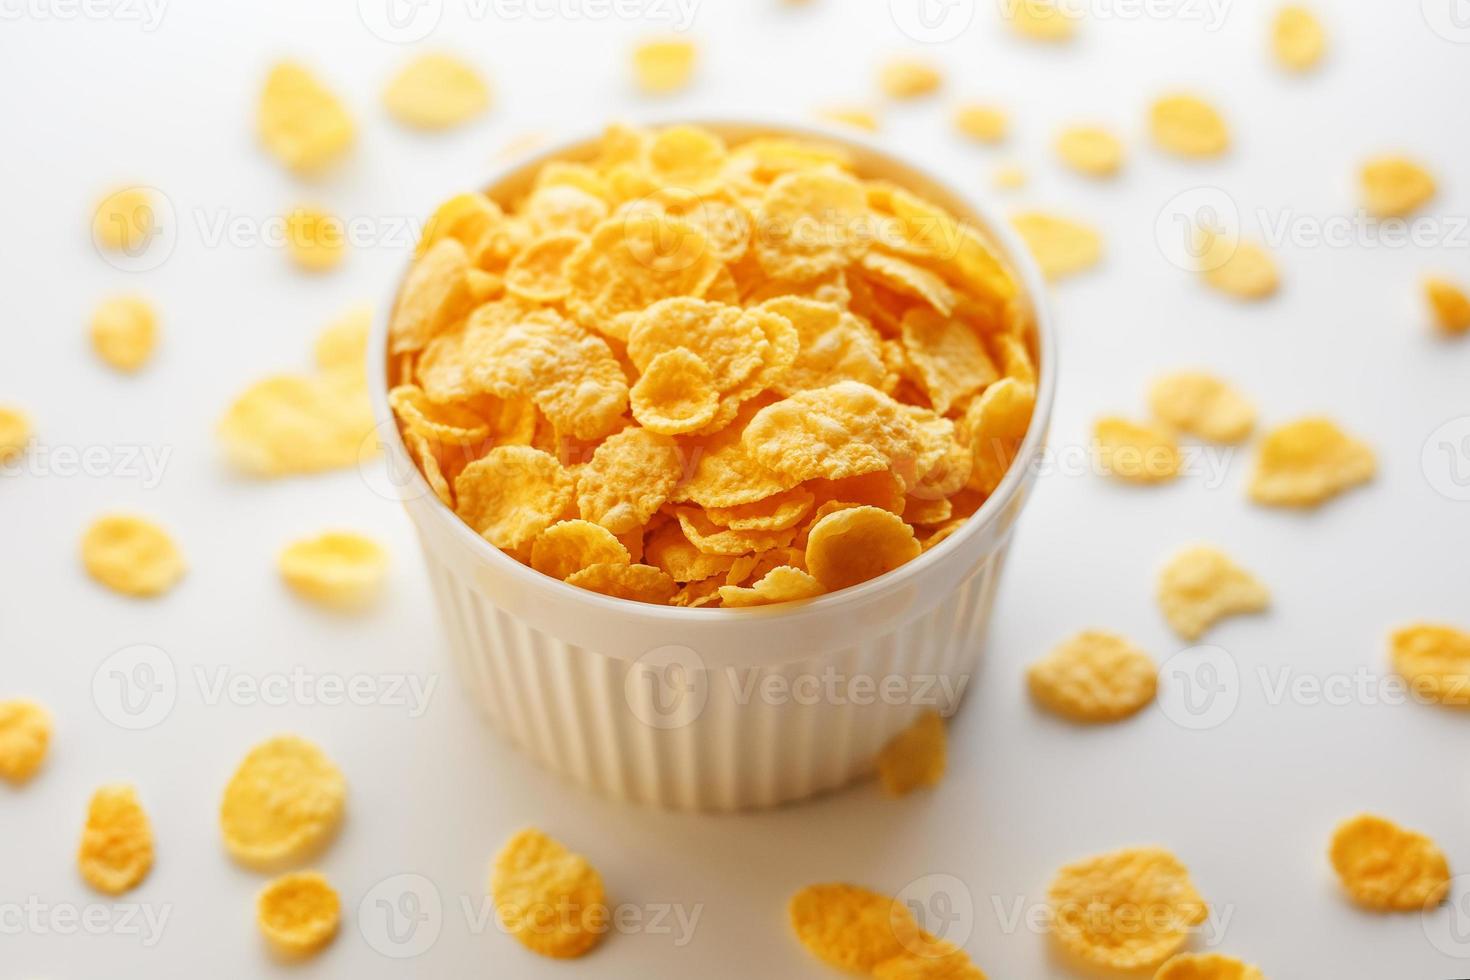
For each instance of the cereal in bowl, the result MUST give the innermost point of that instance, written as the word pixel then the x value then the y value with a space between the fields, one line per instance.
pixel 680 370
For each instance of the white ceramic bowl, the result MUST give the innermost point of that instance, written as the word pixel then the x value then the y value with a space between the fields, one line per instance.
pixel 722 709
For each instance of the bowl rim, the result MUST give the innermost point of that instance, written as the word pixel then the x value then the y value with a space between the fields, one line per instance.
pixel 994 225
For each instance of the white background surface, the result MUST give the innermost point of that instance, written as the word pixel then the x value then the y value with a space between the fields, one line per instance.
pixel 1249 804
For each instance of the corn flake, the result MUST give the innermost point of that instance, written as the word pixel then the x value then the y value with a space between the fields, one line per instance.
pixel 1395 187
pixel 337 568
pixel 1061 246
pixel 283 804
pixel 125 331
pixel 1297 38
pixel 908 78
pixel 538 274
pixel 567 547
pixel 1094 678
pixel 291 424
pixel 811 223
pixel 300 121
pixel 856 544
pixel 15 432
pixel 1450 304
pixel 632 261
pixel 1136 452
pixel 1386 868
pixel 1090 150
pixel 298 912
pixel 1435 660
pixel 858 118
pixel 1244 270
pixel 131 555
pixel 982 123
pixel 1126 910
pixel 512 494
pixel 435 293
pixel 1200 585
pixel 436 91
pixel 124 221
pixel 1307 462
pixel 852 928
pixel 833 345
pixel 549 898
pixel 1207 966
pixel 116 852
pixel 775 513
pixel 25 734
pixel 675 394
pixel 315 240
pixel 1202 405
pixel 845 429
pixel 1040 20
pixel 915 757
pixel 662 66
pixel 1186 125
pixel 629 477
pixel 948 356
pixel 995 425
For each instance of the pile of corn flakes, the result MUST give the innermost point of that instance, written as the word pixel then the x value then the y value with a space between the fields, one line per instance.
pixel 700 374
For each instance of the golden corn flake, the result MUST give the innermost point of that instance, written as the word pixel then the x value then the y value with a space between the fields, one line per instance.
pixel 315 240
pixel 337 568
pixel 851 546
pixel 1435 660
pixel 629 477
pixel 910 280
pixel 1008 178
pixel 995 424
pixel 908 78
pixel 1040 20
pixel 436 91
pixel 116 852
pixel 1126 910
pixel 1307 462
pixel 549 898
pixel 449 424
pixel 1395 187
pixel 131 555
pixel 662 66
pixel 343 342
pixel 833 345
pixel 1200 585
pixel 915 757
pixel 283 804
pixel 812 222
pixel 676 556
pixel 15 432
pixel 858 118
pixel 1094 678
pixel 512 494
pixel 775 513
pixel 435 293
pixel 538 274
pixel 675 394
pixel 298 912
pixel 1061 247
pixel 1207 966
pixel 982 123
pixel 124 331
pixel 25 734
pixel 1188 126
pixel 713 539
pixel 845 429
pixel 124 221
pixel 567 547
pixel 948 356
pixel 300 121
pixel 1297 38
pixel 728 339
pixel 1136 452
pixel 780 584
pixel 1450 304
pixel 638 583
pixel 634 260
pixel 1202 405
pixel 1090 150
pixel 298 424
pixel 1386 868
pixel 1237 268
pixel 852 928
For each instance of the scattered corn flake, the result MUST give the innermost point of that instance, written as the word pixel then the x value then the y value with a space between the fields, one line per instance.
pixel 915 757
pixel 300 121
pixel 908 78
pixel 315 240
pixel 116 852
pixel 1395 187
pixel 780 584
pixel 1297 38
pixel 1094 678
pixel 124 220
pixel 1096 905
pixel 1060 245
pixel 291 424
pixel 343 342
pixel 1207 966
pixel 1202 405
pixel 15 432
pixel 298 912
pixel 1385 868
pixel 852 928
pixel 858 118
pixel 629 477
pixel 1435 660
pixel 436 91
pixel 948 356
pixel 124 331
pixel 983 123
pixel 1090 150
pixel 1137 452
pixel 851 546
pixel 675 394
pixel 283 804
pixel 512 494
pixel 1237 268
pixel 995 425
pixel 25 734
pixel 1307 462
pixel 567 547
pixel 1450 304
pixel 1188 126
pixel 547 897
pixel 1009 177
pixel 1201 585
pixel 664 65
pixel 131 555
pixel 336 568
pixel 1040 20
